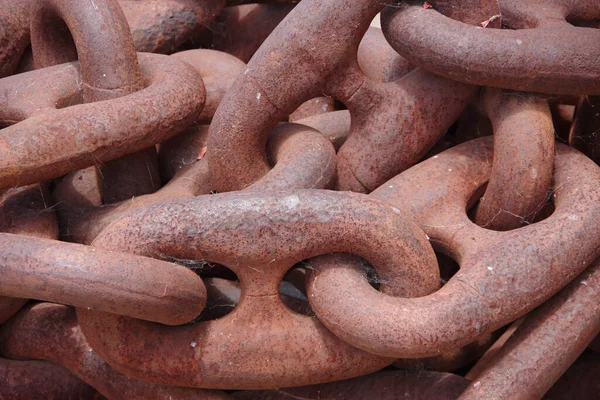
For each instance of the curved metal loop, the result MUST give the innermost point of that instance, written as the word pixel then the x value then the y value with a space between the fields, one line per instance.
pixel 303 158
pixel 50 332
pixel 47 142
pixel 521 176
pixel 102 43
pixel 503 275
pixel 383 141
pixel 548 56
pixel 545 344
pixel 119 283
pixel 275 231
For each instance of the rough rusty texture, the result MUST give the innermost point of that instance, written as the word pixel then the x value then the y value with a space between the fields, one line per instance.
pixel 50 142
pixel 335 126
pixel 50 332
pixel 523 161
pixel 302 158
pixel 452 360
pixel 580 381
pixel 316 106
pixel 97 34
pixel 545 345
pixel 241 29
pixel 503 275
pixel 120 283
pixel 387 385
pixel 26 210
pixel 489 355
pixel 583 134
pixel 395 123
pixel 161 26
pixel 265 344
pixel 550 57
pixel 378 60
pixel 14 36
pixel 473 12
pixel 40 380
pixel 218 71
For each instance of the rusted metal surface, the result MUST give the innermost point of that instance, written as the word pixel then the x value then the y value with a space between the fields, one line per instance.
pixel 47 142
pixel 40 380
pixel 241 29
pixel 316 106
pixel 50 332
pixel 386 385
pixel 276 230
pixel 120 283
pixel 335 126
pixel 162 26
pixel 302 158
pixel 14 37
pixel 523 161
pixel 378 60
pixel 395 123
pixel 218 71
pixel 580 381
pixel 542 53
pixel 503 275
pixel 545 345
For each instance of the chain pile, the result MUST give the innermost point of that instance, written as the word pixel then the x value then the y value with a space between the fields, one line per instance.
pixel 221 200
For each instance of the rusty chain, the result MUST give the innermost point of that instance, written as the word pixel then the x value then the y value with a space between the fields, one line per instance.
pixel 233 200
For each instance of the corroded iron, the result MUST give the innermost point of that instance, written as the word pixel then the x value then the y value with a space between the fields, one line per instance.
pixel 542 53
pixel 120 283
pixel 276 230
pixel 50 332
pixel 48 140
pixel 302 159
pixel 395 123
pixel 386 385
pixel 523 160
pixel 545 344
pixel 503 275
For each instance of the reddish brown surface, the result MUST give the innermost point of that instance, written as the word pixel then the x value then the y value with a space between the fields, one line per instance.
pixel 388 385
pixel 550 57
pixel 240 29
pixel 545 344
pixel 40 380
pixel 503 275
pixel 50 142
pixel 265 344
pixel 161 26
pixel 523 160
pixel 115 282
pixel 302 158
pixel 395 123
pixel 50 332
pixel 218 71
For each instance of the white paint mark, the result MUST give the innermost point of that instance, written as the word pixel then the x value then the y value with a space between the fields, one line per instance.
pixel 449 169
pixel 519 42
pixel 291 201
pixel 258 96
pixel 436 156
pixel 573 217
pixel 391 186
pixel 94 5
pixel 534 173
pixel 476 384
pixel 193 345
pixel 490 268
pixel 583 283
